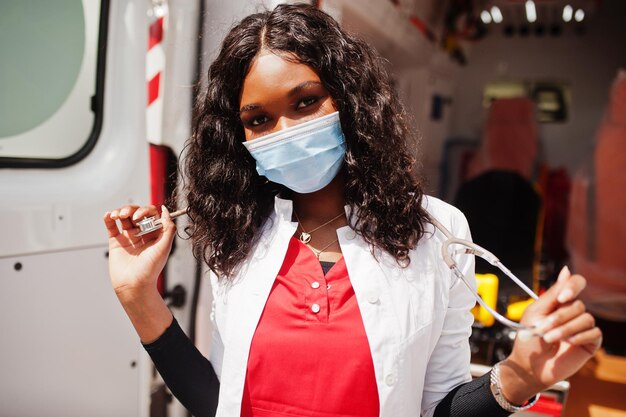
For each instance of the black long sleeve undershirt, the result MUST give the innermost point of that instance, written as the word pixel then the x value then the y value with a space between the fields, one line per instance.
pixel 191 378
pixel 186 372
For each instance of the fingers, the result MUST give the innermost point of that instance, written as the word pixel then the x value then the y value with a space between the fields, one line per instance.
pixel 591 337
pixel 126 217
pixel 123 215
pixel 111 220
pixel 143 212
pixel 567 288
pixel 562 315
pixel 129 215
pixel 579 324
pixel 121 238
pixel 111 225
pixel 164 236
pixel 564 274
pixel 169 228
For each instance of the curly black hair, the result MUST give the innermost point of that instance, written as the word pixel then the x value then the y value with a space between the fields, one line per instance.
pixel 228 200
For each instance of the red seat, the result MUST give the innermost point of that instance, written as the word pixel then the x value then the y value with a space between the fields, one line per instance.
pixel 597 221
pixel 510 139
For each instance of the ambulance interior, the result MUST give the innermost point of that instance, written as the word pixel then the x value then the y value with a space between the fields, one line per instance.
pixel 520 107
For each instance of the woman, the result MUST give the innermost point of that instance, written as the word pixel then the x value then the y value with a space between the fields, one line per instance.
pixel 330 295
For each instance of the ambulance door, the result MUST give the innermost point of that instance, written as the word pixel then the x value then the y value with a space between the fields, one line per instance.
pixel 72 145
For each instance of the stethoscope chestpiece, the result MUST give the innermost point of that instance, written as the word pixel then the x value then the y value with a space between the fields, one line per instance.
pixel 148 225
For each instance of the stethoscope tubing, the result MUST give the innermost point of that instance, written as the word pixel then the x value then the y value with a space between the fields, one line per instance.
pixel 473 249
pixel 151 224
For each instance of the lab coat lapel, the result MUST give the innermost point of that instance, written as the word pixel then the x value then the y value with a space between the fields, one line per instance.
pixel 246 301
pixel 376 304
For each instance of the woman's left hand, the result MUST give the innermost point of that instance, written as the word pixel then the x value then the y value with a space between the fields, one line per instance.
pixel 570 338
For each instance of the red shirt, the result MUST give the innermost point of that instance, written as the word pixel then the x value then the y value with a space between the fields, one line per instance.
pixel 309 354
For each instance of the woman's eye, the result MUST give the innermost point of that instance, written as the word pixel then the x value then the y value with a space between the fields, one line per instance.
pixel 257 121
pixel 306 102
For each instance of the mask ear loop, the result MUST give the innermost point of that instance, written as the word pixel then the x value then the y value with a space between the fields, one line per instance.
pixel 473 249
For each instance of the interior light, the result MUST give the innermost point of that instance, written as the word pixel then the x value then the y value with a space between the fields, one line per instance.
pixel 496 14
pixel 568 12
pixel 531 11
pixel 485 17
pixel 579 15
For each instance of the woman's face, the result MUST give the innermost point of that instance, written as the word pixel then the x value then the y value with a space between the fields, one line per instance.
pixel 277 94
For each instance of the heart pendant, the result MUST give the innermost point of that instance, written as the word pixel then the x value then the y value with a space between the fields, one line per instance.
pixel 305 237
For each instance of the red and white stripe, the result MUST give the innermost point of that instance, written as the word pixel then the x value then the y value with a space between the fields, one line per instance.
pixel 155 71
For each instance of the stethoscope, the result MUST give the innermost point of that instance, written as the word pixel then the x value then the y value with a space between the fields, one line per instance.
pixel 471 248
pixel 150 224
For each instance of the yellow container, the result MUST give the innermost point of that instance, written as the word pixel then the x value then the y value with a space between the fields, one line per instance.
pixel 514 311
pixel 488 291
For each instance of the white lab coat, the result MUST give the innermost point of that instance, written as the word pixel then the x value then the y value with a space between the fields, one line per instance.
pixel 417 319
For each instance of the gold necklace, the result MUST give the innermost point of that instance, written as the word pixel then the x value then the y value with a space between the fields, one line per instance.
pixel 318 252
pixel 305 237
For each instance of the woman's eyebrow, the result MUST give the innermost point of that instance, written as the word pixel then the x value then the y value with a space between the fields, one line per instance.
pixel 294 91
pixel 250 107
pixel 302 86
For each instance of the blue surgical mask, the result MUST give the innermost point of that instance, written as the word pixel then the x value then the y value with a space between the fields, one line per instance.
pixel 305 157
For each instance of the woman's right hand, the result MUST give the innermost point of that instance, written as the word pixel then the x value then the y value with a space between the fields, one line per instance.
pixel 135 262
